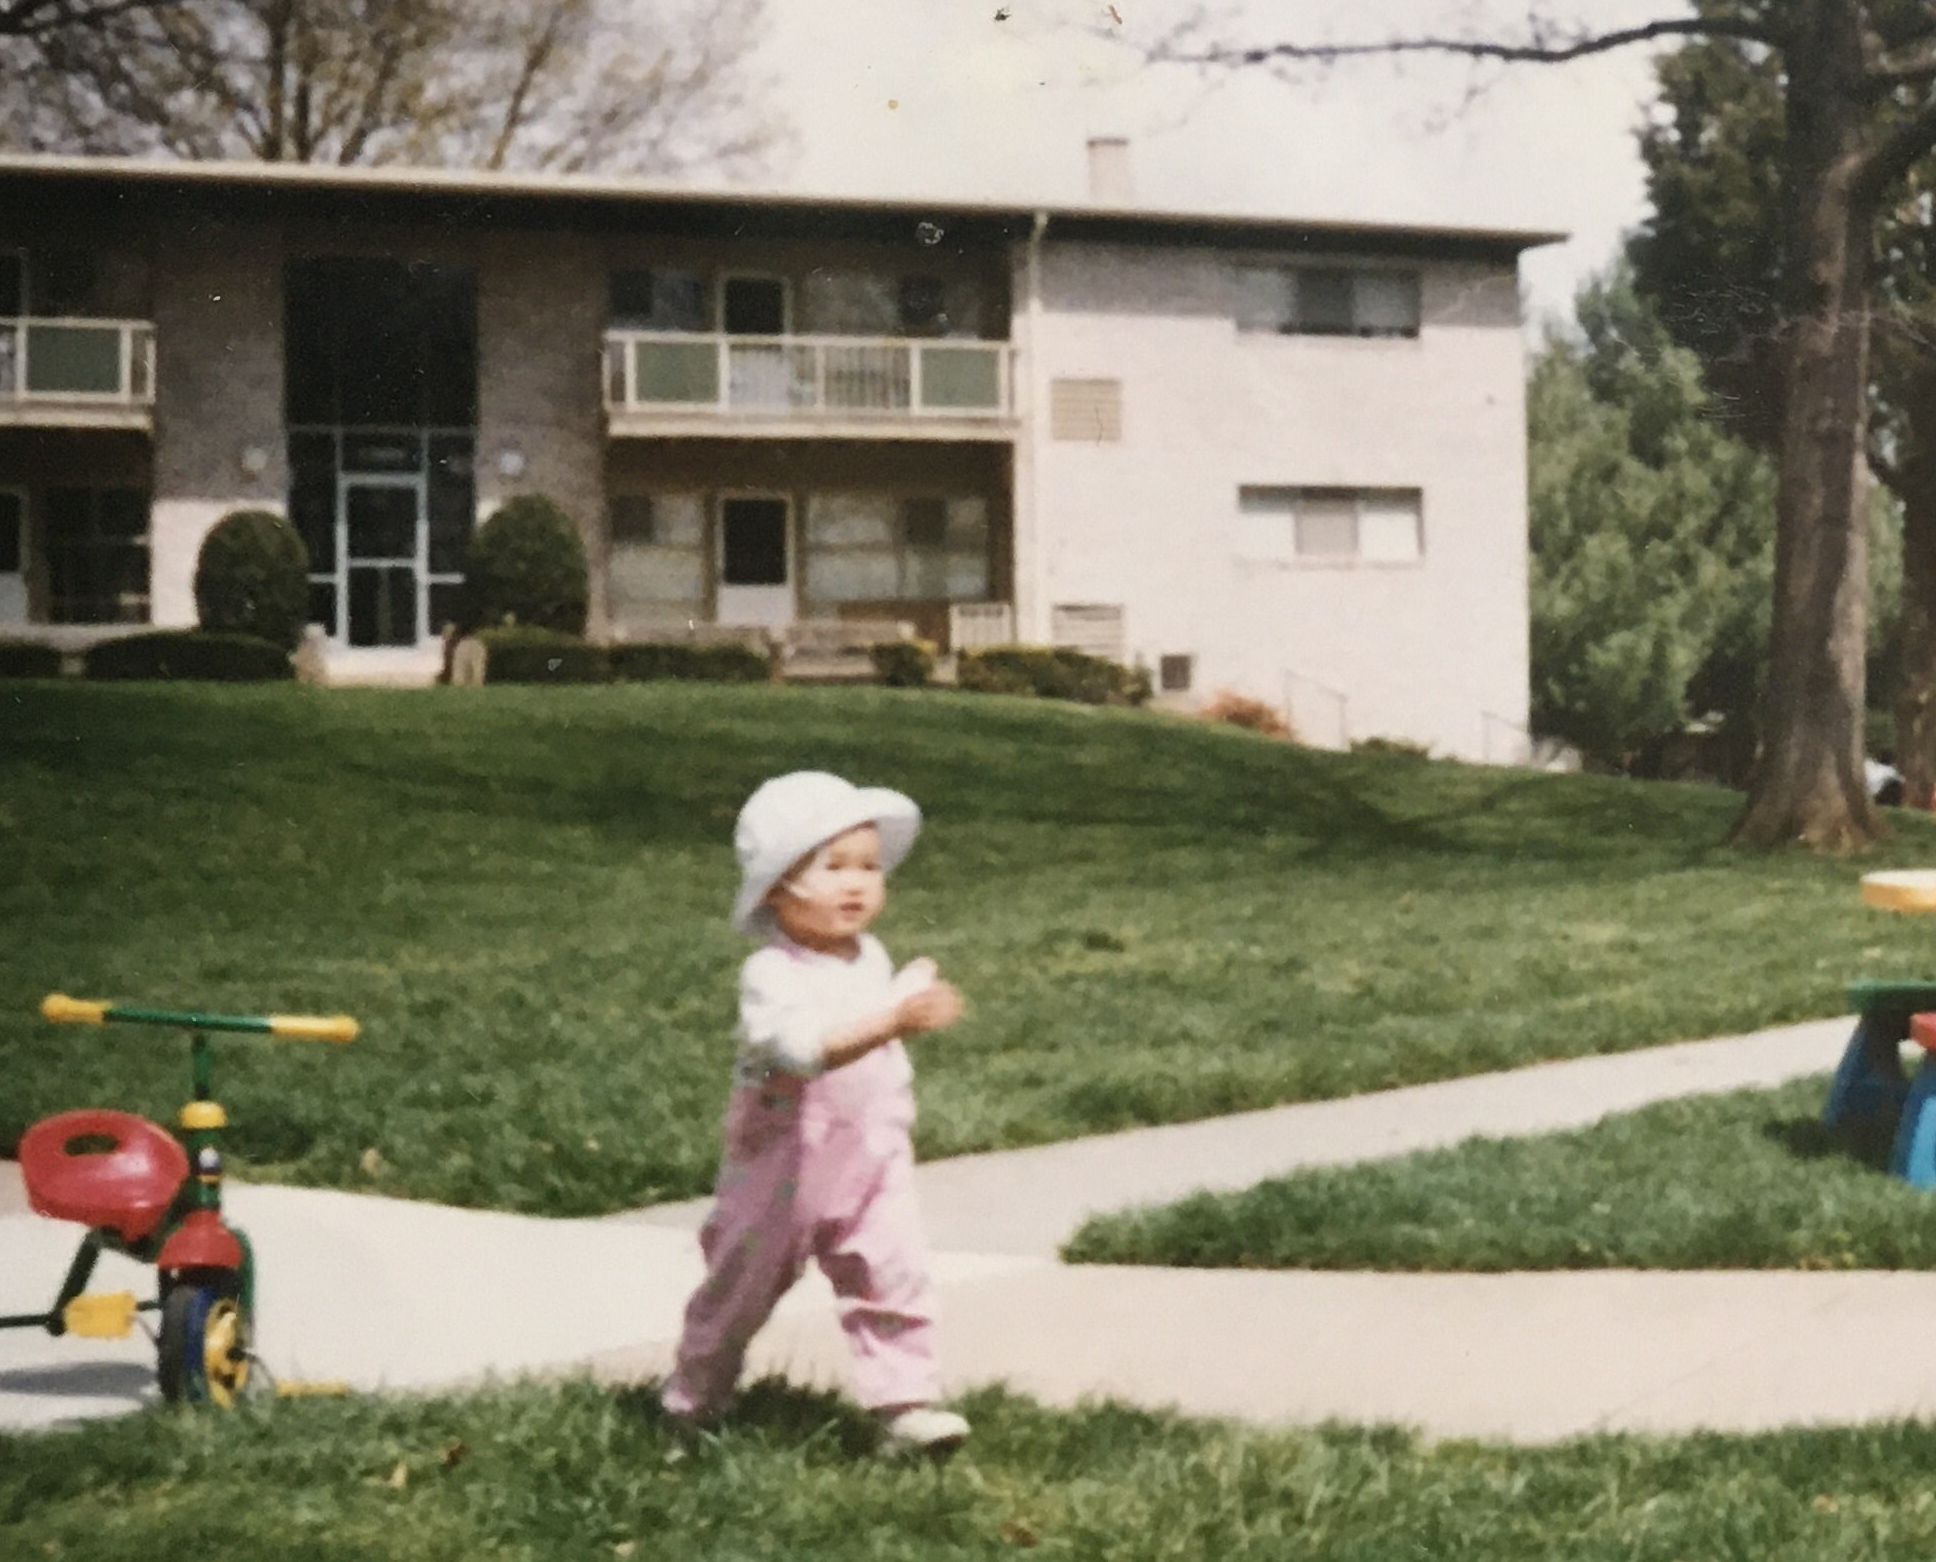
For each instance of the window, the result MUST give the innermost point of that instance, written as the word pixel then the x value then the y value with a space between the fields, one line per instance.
pixel 1174 673
pixel 656 575
pixel 878 548
pixel 379 343
pixel 1089 410
pixel 1328 301
pixel 1094 627
pixel 753 306
pixel 64 283
pixel 924 310
pixel 659 300
pixel 631 519
pixel 1330 525
pixel 97 555
pixel 924 523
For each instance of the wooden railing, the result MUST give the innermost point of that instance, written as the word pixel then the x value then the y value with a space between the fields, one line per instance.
pixel 106 362
pixel 806 376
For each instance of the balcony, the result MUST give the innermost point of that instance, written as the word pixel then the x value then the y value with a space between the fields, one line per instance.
pixel 77 373
pixel 841 386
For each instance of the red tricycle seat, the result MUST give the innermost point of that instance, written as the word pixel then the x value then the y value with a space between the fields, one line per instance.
pixel 1922 1030
pixel 126 1187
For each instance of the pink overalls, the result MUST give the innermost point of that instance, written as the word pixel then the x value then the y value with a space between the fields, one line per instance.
pixel 815 1165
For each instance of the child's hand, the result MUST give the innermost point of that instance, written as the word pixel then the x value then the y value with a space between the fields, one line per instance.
pixel 933 1008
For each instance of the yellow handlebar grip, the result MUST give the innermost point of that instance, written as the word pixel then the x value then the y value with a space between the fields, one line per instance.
pixel 60 1008
pixel 313 1027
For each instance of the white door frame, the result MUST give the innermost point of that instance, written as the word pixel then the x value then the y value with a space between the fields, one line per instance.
pixel 13 584
pixel 417 482
pixel 770 607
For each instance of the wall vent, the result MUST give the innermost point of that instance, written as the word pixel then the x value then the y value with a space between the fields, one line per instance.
pixel 1094 627
pixel 1090 411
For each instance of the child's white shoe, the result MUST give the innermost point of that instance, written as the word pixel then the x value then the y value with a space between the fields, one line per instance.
pixel 923 1429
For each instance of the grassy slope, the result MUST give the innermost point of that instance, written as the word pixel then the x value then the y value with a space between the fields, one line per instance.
pixel 576 1474
pixel 522 894
pixel 1749 1180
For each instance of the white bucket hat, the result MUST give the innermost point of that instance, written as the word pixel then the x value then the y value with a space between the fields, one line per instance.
pixel 791 815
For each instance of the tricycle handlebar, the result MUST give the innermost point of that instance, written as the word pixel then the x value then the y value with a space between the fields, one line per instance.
pixel 303 1027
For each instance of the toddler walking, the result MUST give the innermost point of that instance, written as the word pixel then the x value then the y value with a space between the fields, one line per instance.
pixel 817 1160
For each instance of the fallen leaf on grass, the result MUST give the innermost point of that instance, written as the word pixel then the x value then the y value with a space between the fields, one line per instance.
pixel 398 1478
pixel 456 1451
pixel 372 1161
pixel 1019 1532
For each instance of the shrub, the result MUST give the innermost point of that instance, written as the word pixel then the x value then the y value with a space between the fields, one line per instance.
pixel 24 659
pixel 903 664
pixel 252 578
pixel 1392 748
pixel 520 654
pixel 1242 711
pixel 526 566
pixel 190 653
pixel 1052 673
pixel 722 663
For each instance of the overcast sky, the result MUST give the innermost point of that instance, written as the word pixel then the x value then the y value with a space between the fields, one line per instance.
pixel 912 97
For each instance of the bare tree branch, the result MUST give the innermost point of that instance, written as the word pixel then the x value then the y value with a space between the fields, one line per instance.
pixel 1904 67
pixel 615 85
pixel 36 18
pixel 537 55
pixel 1540 48
pixel 1896 151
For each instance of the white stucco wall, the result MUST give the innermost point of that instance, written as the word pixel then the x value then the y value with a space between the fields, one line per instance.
pixel 1433 652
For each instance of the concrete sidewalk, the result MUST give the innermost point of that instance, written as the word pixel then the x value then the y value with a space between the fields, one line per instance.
pixel 389 1294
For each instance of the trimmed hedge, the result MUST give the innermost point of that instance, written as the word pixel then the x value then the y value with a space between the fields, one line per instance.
pixel 1391 748
pixel 903 664
pixel 24 659
pixel 190 653
pixel 1051 673
pixel 521 654
pixel 726 663
pixel 252 578
pixel 525 567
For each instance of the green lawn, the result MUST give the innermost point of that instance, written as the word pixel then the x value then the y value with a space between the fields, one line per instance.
pixel 1748 1180
pixel 578 1474
pixel 522 894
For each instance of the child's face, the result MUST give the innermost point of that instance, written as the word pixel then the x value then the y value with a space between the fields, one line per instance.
pixel 829 896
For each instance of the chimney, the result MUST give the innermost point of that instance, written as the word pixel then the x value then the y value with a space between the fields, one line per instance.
pixel 1109 180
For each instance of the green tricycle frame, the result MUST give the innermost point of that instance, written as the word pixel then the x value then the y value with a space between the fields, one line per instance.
pixel 157 1199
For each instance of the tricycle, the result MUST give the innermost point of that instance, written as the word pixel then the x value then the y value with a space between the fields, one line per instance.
pixel 142 1192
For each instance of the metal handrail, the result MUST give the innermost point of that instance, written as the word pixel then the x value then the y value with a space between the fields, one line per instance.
pixel 904 371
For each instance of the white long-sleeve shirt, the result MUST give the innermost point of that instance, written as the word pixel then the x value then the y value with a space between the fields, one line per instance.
pixel 791 999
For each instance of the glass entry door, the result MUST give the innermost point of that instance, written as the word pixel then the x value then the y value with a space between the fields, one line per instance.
pixel 384 536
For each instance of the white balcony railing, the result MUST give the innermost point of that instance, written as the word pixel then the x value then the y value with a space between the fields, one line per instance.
pixel 805 376
pixel 108 363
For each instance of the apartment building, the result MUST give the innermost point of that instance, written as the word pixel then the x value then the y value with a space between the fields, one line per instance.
pixel 1280 457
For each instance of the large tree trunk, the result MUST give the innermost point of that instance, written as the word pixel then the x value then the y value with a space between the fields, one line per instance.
pixel 1809 786
pixel 1916 488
